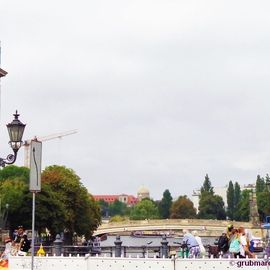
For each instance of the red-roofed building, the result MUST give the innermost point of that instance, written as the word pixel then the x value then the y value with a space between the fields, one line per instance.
pixel 129 200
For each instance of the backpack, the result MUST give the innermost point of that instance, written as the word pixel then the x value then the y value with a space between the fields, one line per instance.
pixel 223 243
pixel 235 246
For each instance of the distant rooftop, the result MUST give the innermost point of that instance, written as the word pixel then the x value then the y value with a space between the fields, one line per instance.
pixel 2 73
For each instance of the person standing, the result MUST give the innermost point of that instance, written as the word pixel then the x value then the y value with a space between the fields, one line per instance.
pixel 24 245
pixel 17 237
pixel 191 242
pixel 235 244
pixel 244 249
pixel 199 241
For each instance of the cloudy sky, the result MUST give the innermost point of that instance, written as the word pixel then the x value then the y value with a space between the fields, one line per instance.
pixel 161 92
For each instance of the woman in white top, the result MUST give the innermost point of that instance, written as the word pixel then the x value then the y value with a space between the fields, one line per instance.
pixel 199 240
pixel 244 251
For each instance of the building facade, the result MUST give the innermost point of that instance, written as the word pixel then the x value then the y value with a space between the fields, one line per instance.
pixel 129 200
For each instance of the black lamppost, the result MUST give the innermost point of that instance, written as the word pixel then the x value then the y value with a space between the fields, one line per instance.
pixel 15 131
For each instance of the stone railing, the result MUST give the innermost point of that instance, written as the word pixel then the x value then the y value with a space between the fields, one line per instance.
pixel 106 263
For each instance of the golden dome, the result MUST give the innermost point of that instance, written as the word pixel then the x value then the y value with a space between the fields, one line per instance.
pixel 143 192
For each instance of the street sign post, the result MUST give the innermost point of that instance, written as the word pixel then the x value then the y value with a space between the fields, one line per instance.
pixel 35 184
pixel 35 166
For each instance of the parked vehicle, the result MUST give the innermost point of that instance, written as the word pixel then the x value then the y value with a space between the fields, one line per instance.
pixel 256 244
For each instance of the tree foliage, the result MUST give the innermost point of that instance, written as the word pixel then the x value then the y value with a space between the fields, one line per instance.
pixel 260 184
pixel 230 201
pixel 207 186
pixel 117 208
pixel 104 208
pixel 81 212
pixel 243 206
pixel 211 207
pixel 237 199
pixel 14 190
pixel 165 204
pixel 233 200
pixel 263 196
pixel 13 172
pixel 62 204
pixel 183 208
pixel 145 209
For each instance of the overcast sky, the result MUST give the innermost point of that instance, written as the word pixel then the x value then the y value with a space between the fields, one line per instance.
pixel 161 92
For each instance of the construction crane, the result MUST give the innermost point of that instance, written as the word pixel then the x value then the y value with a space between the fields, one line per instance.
pixel 27 143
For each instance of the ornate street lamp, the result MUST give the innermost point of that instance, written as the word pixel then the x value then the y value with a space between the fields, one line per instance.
pixel 15 131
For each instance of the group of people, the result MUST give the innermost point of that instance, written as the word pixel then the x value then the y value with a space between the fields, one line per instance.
pixel 18 245
pixel 236 242
pixel 193 243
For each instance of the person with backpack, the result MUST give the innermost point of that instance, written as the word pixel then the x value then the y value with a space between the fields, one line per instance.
pixel 223 243
pixel 234 248
pixel 225 240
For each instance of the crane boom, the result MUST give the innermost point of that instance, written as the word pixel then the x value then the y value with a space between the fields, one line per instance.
pixel 26 143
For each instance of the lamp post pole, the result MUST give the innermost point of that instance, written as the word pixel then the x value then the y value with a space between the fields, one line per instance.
pixel 34 185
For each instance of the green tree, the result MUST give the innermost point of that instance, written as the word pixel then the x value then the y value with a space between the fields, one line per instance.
pixel 211 207
pixel 230 201
pixel 237 194
pixel 104 208
pixel 183 208
pixel 263 203
pixel 13 193
pixel 14 190
pixel 62 204
pixel 49 213
pixel 260 184
pixel 243 208
pixel 237 198
pixel 145 209
pixel 263 196
pixel 267 181
pixel 14 172
pixel 207 186
pixel 165 204
pixel 117 208
pixel 82 213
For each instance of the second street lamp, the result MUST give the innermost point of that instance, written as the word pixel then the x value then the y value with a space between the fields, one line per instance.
pixel 15 131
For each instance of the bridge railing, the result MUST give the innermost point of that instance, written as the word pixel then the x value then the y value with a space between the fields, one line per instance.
pixel 105 263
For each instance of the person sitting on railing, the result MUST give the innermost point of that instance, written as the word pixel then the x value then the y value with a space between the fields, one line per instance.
pixel 193 246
